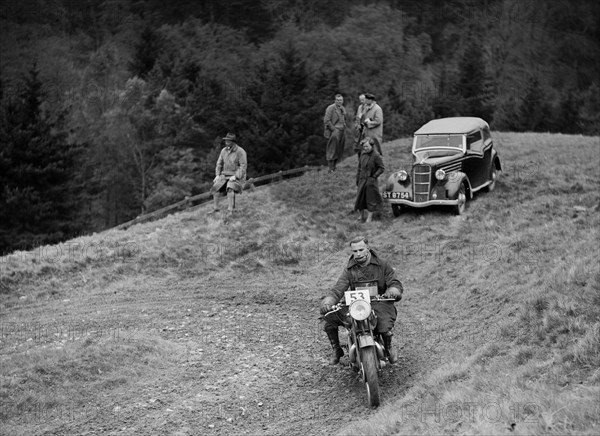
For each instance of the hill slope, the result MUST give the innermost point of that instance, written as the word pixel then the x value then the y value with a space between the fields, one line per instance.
pixel 188 326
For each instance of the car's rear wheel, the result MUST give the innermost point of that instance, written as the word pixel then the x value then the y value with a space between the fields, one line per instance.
pixel 396 209
pixel 494 177
pixel 459 209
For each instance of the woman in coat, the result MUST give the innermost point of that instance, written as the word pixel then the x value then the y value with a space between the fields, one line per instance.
pixel 370 167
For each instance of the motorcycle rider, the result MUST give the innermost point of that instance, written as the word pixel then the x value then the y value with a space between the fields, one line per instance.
pixel 364 269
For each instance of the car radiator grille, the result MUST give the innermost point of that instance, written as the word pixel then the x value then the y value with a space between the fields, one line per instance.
pixel 422 177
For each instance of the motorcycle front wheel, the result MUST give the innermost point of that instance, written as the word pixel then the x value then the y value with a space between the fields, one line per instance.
pixel 369 362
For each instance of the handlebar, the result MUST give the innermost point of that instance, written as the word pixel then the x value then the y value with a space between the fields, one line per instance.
pixel 378 298
pixel 375 299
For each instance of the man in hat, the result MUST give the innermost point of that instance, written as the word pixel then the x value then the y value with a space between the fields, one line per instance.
pixel 335 131
pixel 230 173
pixel 372 120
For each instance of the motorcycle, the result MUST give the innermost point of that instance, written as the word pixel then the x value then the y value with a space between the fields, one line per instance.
pixel 365 349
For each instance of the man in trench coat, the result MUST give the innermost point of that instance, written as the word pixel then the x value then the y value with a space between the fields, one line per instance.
pixel 334 123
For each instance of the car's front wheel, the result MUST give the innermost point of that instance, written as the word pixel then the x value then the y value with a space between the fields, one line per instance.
pixel 396 209
pixel 459 209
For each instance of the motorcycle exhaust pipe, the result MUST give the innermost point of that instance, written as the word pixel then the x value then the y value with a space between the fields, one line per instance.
pixel 352 353
pixel 380 351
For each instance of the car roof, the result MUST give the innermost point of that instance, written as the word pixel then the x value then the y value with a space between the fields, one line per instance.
pixel 452 125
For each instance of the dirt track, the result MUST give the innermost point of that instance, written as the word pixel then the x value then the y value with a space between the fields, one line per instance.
pixel 245 362
pixel 247 355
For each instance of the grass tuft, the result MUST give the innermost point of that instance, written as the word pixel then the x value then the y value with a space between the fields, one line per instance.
pixel 586 351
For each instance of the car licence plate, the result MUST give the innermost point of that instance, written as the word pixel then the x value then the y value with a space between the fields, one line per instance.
pixel 396 195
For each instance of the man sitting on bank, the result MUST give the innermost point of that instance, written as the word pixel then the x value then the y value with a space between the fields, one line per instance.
pixel 230 173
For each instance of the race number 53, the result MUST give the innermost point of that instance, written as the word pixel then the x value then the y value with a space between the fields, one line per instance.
pixel 357 294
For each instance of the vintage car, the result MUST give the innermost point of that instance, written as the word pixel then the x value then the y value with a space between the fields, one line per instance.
pixel 452 159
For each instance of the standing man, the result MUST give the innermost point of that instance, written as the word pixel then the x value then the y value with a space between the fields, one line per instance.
pixel 370 167
pixel 364 269
pixel 373 122
pixel 358 124
pixel 335 128
pixel 230 173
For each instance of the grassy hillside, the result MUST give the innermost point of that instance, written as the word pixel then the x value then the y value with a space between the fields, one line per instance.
pixel 188 326
pixel 521 281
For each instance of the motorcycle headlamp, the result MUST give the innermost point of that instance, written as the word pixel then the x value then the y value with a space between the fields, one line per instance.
pixel 440 174
pixel 360 310
pixel 402 175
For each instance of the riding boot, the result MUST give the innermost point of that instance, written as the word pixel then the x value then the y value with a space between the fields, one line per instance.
pixel 389 349
pixel 335 344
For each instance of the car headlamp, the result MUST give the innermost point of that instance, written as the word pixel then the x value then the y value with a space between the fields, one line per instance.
pixel 360 310
pixel 402 175
pixel 440 174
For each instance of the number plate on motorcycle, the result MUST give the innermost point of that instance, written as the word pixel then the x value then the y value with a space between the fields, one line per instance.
pixel 357 294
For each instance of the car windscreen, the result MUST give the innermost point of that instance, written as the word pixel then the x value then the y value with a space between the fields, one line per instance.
pixel 438 141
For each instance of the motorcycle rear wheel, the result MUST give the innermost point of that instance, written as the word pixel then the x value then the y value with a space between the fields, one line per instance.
pixel 371 375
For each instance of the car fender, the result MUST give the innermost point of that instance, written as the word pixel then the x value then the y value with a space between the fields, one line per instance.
pixel 496 160
pixel 389 184
pixel 454 181
pixel 392 184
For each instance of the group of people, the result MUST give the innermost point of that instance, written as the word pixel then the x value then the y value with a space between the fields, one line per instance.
pixel 230 171
pixel 368 124
pixel 368 136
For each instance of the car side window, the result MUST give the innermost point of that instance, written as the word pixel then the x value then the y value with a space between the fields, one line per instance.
pixel 486 136
pixel 475 142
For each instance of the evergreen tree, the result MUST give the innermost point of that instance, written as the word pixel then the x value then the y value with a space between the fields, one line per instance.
pixel 589 113
pixel 38 200
pixel 395 99
pixel 567 117
pixel 146 53
pixel 444 102
pixel 287 113
pixel 471 80
pixel 534 111
pixel 488 98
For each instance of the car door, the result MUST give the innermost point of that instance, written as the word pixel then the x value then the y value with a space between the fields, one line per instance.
pixel 488 147
pixel 477 159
